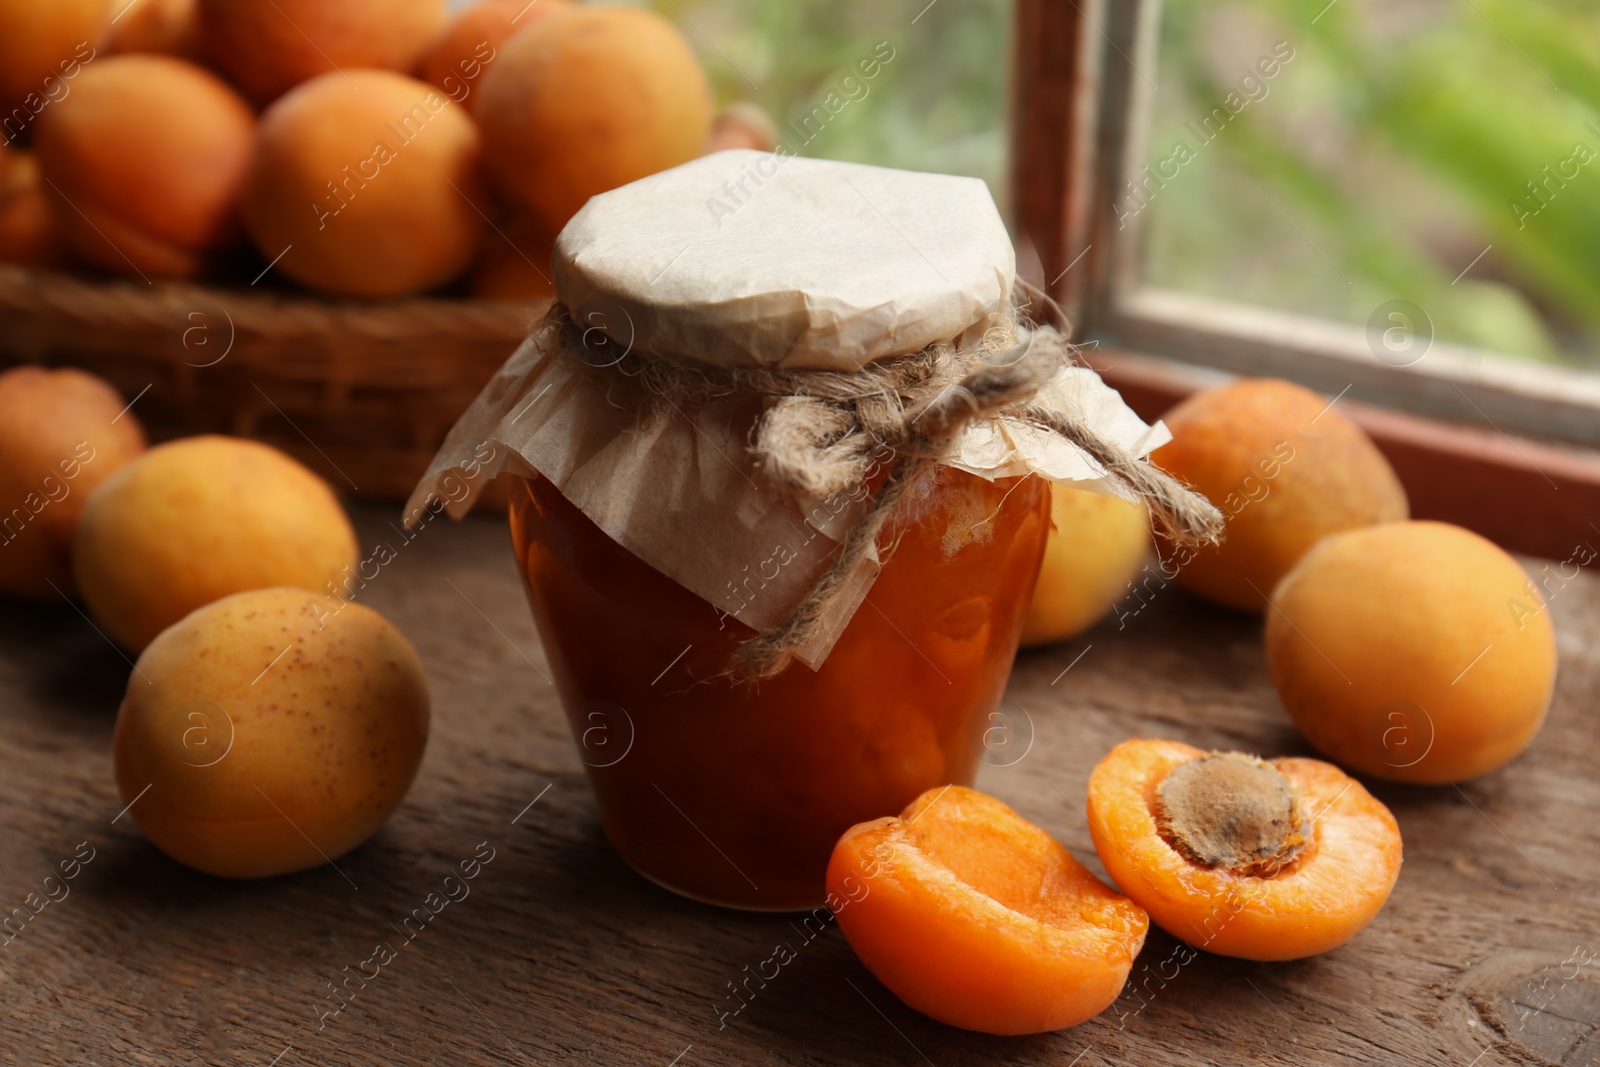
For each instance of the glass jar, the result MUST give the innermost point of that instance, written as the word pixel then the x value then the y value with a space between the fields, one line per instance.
pixel 734 793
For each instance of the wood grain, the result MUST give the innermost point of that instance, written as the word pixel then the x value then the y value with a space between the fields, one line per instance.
pixel 562 955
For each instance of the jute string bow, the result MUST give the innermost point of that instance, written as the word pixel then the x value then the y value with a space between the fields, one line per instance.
pixel 823 432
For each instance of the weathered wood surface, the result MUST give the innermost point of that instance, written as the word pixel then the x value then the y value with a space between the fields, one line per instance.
pixel 562 955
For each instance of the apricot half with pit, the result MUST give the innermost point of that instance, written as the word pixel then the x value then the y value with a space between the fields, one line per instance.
pixel 1263 860
pixel 978 918
pixel 269 732
pixel 1415 650
pixel 1286 468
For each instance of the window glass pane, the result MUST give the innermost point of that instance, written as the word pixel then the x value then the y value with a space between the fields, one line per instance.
pixel 1331 158
pixel 936 100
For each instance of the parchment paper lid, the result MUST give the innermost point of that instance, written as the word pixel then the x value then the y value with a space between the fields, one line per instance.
pixel 746 258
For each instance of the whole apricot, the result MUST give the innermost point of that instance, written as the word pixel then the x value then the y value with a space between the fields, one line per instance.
pixel 198 519
pixel 978 918
pixel 144 160
pixel 514 264
pixel 27 228
pixel 270 46
pixel 43 46
pixel 463 51
pixel 62 433
pixel 1286 468
pixel 587 99
pixel 1417 651
pixel 269 732
pixel 161 27
pixel 367 184
pixel 1097 544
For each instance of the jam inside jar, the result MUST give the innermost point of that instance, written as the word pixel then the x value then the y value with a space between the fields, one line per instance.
pixel 734 793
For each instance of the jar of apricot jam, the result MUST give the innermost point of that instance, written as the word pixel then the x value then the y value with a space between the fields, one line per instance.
pixel 734 792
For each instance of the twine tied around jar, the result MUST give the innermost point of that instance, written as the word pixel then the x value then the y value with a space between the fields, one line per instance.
pixel 825 431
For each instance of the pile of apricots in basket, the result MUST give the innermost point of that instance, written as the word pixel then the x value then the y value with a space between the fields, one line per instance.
pixel 360 148
pixel 273 722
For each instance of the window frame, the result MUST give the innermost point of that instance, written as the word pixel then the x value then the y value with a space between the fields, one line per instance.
pixel 1459 425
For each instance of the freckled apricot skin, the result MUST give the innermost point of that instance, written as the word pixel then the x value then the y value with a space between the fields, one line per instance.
pixel 243 763
pixel 1097 545
pixel 979 919
pixel 143 160
pixel 367 187
pixel 270 46
pixel 1317 904
pixel 200 518
pixel 1416 651
pixel 1286 470
pixel 589 98
pixel 57 443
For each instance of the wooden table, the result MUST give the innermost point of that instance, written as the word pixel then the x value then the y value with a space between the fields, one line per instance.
pixel 562 955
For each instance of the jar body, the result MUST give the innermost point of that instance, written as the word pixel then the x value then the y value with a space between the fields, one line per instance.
pixel 734 793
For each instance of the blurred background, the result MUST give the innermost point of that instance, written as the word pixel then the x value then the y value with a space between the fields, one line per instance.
pixel 1389 156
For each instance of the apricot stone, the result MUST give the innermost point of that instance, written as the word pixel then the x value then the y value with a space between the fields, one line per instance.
pixel 198 519
pixel 1286 468
pixel 370 180
pixel 1097 544
pixel 145 159
pixel 42 47
pixel 269 732
pixel 587 99
pixel 270 46
pixel 1412 650
pixel 62 433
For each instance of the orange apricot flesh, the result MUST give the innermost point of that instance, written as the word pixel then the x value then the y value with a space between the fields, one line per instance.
pixel 978 918
pixel 1323 890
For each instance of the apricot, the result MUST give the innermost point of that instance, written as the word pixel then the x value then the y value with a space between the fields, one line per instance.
pixel 587 99
pixel 1097 544
pixel 197 519
pixel 463 51
pixel 367 184
pixel 145 159
pixel 62 433
pixel 27 228
pixel 742 125
pixel 1415 650
pixel 161 27
pixel 514 264
pixel 270 46
pixel 1286 468
pixel 1262 860
pixel 976 917
pixel 43 46
pixel 270 732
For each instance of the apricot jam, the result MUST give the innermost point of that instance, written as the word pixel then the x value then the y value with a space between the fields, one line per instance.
pixel 735 793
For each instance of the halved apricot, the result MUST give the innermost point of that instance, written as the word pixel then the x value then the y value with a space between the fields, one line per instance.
pixel 974 916
pixel 1263 860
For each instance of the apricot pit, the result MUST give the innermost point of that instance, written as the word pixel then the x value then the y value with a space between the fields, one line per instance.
pixel 1232 811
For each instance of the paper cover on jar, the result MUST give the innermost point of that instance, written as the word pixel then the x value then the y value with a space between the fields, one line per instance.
pixel 679 488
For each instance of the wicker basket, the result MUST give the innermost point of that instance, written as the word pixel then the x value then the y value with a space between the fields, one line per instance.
pixel 363 393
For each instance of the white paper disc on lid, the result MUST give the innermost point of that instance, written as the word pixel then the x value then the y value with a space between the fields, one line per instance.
pixel 746 258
